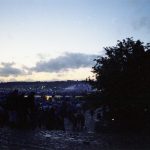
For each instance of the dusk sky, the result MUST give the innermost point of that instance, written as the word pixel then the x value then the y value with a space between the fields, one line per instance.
pixel 43 40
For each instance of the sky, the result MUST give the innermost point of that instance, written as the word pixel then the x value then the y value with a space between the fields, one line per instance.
pixel 46 40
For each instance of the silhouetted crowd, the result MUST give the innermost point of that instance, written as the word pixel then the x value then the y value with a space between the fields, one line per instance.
pixel 21 111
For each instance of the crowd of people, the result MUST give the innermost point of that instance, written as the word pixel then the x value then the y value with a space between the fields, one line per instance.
pixel 21 111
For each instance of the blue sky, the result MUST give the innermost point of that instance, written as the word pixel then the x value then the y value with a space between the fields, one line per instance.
pixel 37 33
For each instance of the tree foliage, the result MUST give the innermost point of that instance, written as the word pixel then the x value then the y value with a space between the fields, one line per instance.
pixel 124 72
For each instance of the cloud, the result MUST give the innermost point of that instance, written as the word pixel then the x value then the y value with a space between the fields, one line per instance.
pixel 65 62
pixel 142 23
pixel 8 69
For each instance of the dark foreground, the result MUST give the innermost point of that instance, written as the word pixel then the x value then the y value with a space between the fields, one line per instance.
pixel 13 139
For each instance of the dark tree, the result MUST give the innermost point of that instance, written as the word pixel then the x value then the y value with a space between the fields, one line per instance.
pixel 123 75
pixel 125 70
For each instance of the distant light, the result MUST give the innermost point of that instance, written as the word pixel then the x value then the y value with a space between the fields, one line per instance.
pixel 47 97
pixel 112 119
